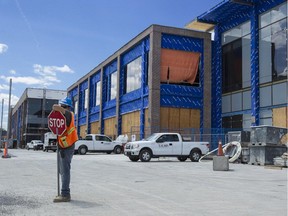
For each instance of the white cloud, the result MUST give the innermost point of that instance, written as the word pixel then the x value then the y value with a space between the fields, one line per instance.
pixel 47 76
pixel 51 70
pixel 4 87
pixel 3 48
pixel 25 80
pixel 14 100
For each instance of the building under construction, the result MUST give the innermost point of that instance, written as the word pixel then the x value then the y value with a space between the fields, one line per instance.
pixel 29 116
pixel 227 69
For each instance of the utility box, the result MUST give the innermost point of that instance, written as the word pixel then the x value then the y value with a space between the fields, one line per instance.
pixel 245 155
pixel 264 155
pixel 267 135
pixel 243 137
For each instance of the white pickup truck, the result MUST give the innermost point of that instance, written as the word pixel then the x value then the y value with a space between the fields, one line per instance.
pixel 165 145
pixel 98 143
pixel 35 144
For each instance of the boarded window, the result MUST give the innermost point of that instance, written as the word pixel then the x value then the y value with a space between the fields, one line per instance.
pixel 179 66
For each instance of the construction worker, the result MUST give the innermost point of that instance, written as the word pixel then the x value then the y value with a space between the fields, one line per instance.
pixel 66 144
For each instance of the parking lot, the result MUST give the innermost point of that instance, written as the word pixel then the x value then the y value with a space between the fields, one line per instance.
pixel 105 184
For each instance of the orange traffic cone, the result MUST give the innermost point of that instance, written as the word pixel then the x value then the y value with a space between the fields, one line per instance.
pixel 220 149
pixel 5 152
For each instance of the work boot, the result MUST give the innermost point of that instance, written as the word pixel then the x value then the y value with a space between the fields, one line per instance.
pixel 62 198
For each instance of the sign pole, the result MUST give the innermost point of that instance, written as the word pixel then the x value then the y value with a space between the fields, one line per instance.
pixel 57 125
pixel 58 160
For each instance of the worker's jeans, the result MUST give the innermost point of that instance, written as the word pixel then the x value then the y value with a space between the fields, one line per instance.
pixel 65 157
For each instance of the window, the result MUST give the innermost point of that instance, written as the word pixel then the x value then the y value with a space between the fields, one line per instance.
pixel 236 58
pixel 86 97
pixel 98 93
pixel 88 137
pixel 76 108
pixel 103 138
pixel 168 138
pixel 133 75
pixel 232 66
pixel 234 121
pixel 113 85
pixel 273 45
pixel 35 107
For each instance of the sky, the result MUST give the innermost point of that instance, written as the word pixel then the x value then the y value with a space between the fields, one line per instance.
pixel 53 43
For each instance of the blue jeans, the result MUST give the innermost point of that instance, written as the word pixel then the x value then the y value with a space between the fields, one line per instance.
pixel 65 158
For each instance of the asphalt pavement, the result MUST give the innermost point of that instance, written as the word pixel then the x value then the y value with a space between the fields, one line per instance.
pixel 108 185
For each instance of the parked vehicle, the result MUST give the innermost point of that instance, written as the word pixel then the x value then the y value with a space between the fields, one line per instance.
pixel 50 142
pixel 165 145
pixel 97 143
pixel 35 144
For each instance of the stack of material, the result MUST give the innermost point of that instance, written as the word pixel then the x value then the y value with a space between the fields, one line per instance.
pixel 281 161
pixel 243 137
pixel 266 144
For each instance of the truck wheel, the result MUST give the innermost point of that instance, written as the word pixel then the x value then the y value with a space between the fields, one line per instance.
pixel 134 158
pixel 195 155
pixel 182 158
pixel 117 150
pixel 82 150
pixel 145 155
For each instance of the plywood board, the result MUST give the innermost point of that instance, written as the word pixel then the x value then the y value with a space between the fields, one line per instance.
pixel 280 117
pixel 164 117
pixel 195 118
pixel 82 131
pixel 184 118
pixel 174 118
pixel 130 121
pixel 179 118
pixel 95 128
pixel 109 127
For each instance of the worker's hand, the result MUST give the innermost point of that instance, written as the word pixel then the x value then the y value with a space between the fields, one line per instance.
pixel 58 108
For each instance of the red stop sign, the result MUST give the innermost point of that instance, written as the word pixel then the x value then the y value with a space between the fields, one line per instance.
pixel 56 122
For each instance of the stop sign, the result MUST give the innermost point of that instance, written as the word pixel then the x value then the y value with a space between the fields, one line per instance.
pixel 56 122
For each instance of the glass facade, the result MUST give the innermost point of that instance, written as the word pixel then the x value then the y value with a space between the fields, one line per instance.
pixel 37 117
pixel 236 75
pixel 273 44
pixel 236 58
pixel 272 61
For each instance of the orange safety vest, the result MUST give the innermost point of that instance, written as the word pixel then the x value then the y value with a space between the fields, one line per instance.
pixel 69 137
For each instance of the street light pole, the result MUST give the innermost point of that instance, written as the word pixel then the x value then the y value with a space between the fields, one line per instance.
pixel 9 113
pixel 1 127
pixel 6 155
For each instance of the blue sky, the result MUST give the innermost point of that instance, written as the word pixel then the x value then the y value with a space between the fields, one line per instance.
pixel 53 43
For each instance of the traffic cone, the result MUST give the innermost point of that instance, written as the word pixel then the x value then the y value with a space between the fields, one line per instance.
pixel 220 149
pixel 5 153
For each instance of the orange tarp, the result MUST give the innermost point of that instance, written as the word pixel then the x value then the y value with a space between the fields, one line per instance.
pixel 183 66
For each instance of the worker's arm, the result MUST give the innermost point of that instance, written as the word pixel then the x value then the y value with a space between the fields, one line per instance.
pixel 58 108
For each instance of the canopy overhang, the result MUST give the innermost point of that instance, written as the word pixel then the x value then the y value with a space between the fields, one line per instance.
pixel 219 13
